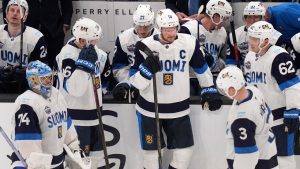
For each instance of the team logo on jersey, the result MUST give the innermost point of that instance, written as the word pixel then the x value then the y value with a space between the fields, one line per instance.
pixel 243 46
pixel 1 44
pixel 59 131
pixel 47 110
pixel 248 65
pixel 168 78
pixel 202 38
pixel 131 48
pixel 149 139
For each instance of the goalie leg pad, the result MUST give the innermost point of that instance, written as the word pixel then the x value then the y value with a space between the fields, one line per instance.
pixel 39 160
pixel 181 158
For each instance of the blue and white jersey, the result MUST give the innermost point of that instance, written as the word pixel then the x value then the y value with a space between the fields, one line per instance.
pixel 42 125
pixel 76 85
pixel 250 141
pixel 275 76
pixel 242 44
pixel 124 53
pixel 173 89
pixel 34 47
pixel 213 41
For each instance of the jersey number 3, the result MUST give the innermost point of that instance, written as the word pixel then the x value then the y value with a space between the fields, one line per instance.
pixel 23 119
pixel 243 133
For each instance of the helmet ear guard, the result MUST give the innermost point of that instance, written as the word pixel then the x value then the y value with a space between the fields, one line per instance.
pixel 230 76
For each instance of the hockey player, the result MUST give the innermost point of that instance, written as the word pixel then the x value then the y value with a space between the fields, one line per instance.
pixel 210 32
pixel 33 43
pixel 123 59
pixel 176 53
pixel 253 12
pixel 78 59
pixel 41 122
pixel 250 141
pixel 271 69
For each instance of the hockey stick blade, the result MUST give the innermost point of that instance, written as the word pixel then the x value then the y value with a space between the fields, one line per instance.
pixel 13 147
pixel 142 47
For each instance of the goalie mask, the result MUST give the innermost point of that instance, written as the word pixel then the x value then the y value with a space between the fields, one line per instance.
pixel 40 78
pixel 230 76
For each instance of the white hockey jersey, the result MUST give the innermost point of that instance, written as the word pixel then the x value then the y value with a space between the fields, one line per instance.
pixel 173 80
pixel 76 85
pixel 34 47
pixel 124 53
pixel 42 125
pixel 214 40
pixel 274 75
pixel 242 44
pixel 250 141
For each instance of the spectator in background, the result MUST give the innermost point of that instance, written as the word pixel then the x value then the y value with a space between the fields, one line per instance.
pixel 285 19
pixel 12 66
pixel 53 19
pixel 185 8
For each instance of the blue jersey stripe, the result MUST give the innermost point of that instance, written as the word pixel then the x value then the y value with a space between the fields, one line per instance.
pixel 118 66
pixel 230 62
pixel 139 116
pixel 201 70
pixel 290 144
pixel 69 122
pixel 132 72
pixel 245 150
pixel 29 136
pixel 289 83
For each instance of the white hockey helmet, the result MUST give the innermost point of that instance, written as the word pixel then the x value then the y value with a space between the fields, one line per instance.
pixel 143 16
pixel 230 76
pixel 38 76
pixel 221 7
pixel 254 8
pixel 22 3
pixel 296 42
pixel 166 18
pixel 87 29
pixel 261 30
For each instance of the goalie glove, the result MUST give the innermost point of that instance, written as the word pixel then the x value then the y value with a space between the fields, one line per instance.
pixel 77 158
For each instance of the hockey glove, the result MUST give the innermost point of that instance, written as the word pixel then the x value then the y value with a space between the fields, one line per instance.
pixel 150 66
pixel 87 58
pixel 291 120
pixel 121 91
pixel 208 57
pixel 210 96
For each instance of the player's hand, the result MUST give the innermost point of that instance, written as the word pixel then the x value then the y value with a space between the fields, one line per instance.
pixel 210 98
pixel 150 66
pixel 291 120
pixel 181 16
pixel 87 58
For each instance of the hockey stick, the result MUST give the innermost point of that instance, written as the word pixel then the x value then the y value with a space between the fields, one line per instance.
pixel 99 114
pixel 141 46
pixel 236 54
pixel 13 147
